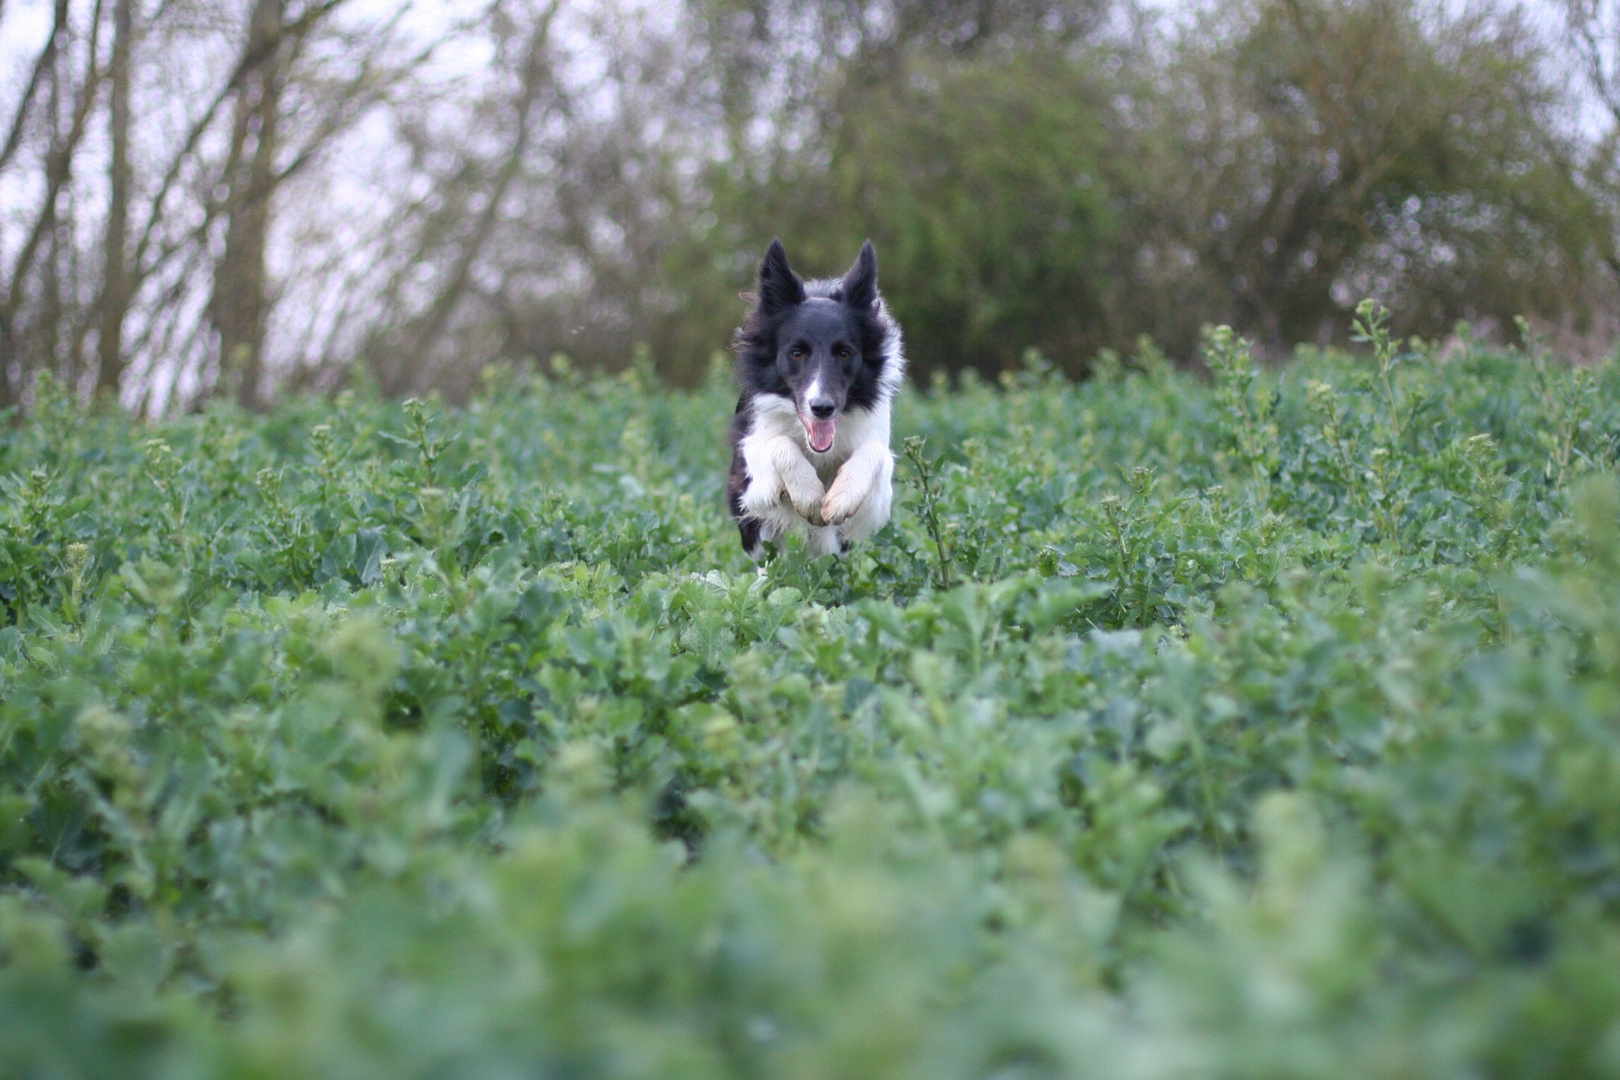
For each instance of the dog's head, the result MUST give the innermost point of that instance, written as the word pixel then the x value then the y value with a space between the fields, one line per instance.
pixel 821 345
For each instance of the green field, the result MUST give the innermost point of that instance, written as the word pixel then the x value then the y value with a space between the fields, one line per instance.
pixel 1264 724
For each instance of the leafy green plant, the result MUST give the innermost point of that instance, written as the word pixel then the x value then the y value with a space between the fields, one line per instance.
pixel 1247 403
pixel 928 489
pixel 1253 726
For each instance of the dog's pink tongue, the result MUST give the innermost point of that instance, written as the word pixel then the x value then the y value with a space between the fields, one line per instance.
pixel 821 434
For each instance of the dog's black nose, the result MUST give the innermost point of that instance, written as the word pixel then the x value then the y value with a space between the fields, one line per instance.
pixel 822 407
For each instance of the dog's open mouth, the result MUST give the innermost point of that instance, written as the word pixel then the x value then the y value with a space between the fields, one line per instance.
pixel 819 432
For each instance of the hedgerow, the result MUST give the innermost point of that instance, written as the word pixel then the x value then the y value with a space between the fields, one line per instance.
pixel 1263 724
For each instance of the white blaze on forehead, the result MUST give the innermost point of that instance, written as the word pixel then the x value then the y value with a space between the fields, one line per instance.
pixel 814 389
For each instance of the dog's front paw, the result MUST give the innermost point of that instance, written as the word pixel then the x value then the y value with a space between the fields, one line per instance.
pixel 840 503
pixel 808 500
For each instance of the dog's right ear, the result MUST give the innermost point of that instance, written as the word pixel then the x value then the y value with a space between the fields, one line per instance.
pixel 779 286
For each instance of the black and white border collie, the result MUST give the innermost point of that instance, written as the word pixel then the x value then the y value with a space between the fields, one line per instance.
pixel 819 364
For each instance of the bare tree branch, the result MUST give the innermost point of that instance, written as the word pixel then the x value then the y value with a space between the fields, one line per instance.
pixel 536 73
pixel 252 55
pixel 47 56
pixel 58 171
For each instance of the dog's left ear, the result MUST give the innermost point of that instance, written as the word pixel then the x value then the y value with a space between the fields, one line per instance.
pixel 859 287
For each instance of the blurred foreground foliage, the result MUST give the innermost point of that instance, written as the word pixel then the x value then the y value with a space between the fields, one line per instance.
pixel 1270 727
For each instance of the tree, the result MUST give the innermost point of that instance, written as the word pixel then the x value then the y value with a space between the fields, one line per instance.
pixel 114 302
pixel 1594 39
pixel 1312 152
pixel 984 184
pixel 55 105
pixel 144 256
pixel 247 184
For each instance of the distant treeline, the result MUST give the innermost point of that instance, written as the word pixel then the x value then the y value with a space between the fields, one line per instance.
pixel 242 198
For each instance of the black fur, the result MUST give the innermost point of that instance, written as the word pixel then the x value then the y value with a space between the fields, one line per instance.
pixel 737 478
pixel 795 331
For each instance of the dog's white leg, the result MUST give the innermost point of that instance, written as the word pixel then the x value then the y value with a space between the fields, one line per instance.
pixel 824 541
pixel 872 512
pixel 852 488
pixel 776 521
pixel 776 465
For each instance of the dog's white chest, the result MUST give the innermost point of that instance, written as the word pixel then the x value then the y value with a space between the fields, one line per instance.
pixel 849 488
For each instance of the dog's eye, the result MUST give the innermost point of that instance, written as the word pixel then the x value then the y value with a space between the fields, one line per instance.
pixel 843 352
pixel 797 353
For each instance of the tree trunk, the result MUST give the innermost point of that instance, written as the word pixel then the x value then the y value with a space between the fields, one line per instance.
pixel 115 284
pixel 240 299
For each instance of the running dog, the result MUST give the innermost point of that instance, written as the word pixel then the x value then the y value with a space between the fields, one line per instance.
pixel 818 363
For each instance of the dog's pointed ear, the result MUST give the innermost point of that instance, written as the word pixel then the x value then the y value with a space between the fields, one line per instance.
pixel 779 286
pixel 859 287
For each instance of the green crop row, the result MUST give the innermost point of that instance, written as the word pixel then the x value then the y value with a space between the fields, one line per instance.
pixel 1258 725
